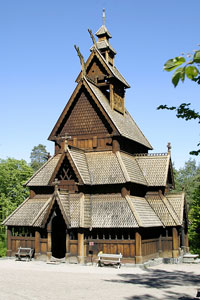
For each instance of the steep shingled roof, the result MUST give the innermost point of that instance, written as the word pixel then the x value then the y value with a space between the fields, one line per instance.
pixel 124 123
pixel 99 211
pixel 106 167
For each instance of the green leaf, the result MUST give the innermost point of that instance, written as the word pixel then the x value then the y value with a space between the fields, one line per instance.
pixel 191 72
pixel 172 64
pixel 178 74
pixel 197 57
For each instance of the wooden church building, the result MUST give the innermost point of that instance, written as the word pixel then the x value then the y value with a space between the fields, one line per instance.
pixel 101 190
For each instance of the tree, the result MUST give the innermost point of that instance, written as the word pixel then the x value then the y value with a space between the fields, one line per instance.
pixel 194 216
pixel 13 175
pixel 191 71
pixel 186 177
pixel 38 156
pixel 189 176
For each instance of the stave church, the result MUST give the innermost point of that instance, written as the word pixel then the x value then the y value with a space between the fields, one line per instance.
pixel 101 190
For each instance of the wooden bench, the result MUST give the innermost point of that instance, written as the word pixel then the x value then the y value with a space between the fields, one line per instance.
pixel 26 253
pixel 113 259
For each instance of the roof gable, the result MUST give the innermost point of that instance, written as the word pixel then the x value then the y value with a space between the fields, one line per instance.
pixel 88 117
pixel 112 71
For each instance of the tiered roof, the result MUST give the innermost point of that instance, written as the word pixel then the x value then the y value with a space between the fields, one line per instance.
pixel 101 210
pixel 106 167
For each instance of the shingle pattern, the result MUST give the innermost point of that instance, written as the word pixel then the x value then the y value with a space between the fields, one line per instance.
pixel 103 30
pixel 87 211
pixel 104 44
pixel 27 212
pixel 104 168
pixel 133 169
pixel 43 175
pixel 80 161
pixel 163 211
pixel 64 198
pixel 146 214
pixel 177 202
pixel 75 210
pixel 154 168
pixel 111 211
pixel 124 123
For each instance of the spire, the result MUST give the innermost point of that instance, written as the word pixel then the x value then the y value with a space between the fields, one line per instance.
pixel 104 16
pixel 103 42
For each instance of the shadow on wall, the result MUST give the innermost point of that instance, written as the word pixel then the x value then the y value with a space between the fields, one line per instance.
pixel 160 279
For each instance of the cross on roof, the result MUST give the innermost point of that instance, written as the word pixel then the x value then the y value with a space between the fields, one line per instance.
pixel 169 147
pixel 56 183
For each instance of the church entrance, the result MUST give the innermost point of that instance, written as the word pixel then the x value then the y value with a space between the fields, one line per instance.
pixel 58 238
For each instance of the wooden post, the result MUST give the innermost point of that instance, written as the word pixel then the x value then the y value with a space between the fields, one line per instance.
pixel 9 243
pixel 81 247
pixel 112 96
pixel 49 252
pixel 37 244
pixel 187 243
pixel 138 248
pixel 67 245
pixel 160 245
pixel 175 251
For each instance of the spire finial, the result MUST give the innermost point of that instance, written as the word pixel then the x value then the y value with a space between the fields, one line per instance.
pixel 169 147
pixel 103 16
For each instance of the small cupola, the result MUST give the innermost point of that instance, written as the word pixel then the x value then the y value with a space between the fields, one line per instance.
pixel 103 42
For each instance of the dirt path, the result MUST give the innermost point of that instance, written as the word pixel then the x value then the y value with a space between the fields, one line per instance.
pixel 40 281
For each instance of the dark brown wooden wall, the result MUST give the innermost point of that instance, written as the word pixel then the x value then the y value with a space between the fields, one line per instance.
pixel 85 119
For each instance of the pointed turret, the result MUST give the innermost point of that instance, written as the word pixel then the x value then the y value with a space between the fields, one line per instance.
pixel 103 42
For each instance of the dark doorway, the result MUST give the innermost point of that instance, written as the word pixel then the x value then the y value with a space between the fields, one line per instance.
pixel 58 238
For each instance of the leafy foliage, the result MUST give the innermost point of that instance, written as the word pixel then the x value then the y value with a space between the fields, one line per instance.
pixel 191 71
pixel 13 175
pixel 189 177
pixel 38 156
pixel 194 216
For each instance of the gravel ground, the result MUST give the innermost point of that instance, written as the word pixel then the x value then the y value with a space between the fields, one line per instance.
pixel 40 281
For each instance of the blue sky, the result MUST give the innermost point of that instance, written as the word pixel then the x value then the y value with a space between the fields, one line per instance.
pixel 39 65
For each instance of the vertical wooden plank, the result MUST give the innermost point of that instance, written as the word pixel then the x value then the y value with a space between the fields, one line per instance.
pixel 138 248
pixel 94 142
pixel 120 249
pixel 81 247
pixel 175 251
pixel 9 243
pixel 126 250
pixel 132 250
pixel 37 244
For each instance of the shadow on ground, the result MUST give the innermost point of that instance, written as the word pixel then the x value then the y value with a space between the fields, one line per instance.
pixel 161 279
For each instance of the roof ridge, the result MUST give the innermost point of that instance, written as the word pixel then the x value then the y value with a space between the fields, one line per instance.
pixel 134 212
pixel 168 206
pixel 122 166
pixel 42 210
pixel 150 154
pixel 44 165
pixel 157 194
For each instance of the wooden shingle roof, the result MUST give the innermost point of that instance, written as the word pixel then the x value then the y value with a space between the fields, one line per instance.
pixel 44 174
pixel 106 167
pixel 124 123
pixel 99 211
pixel 163 209
pixel 177 201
